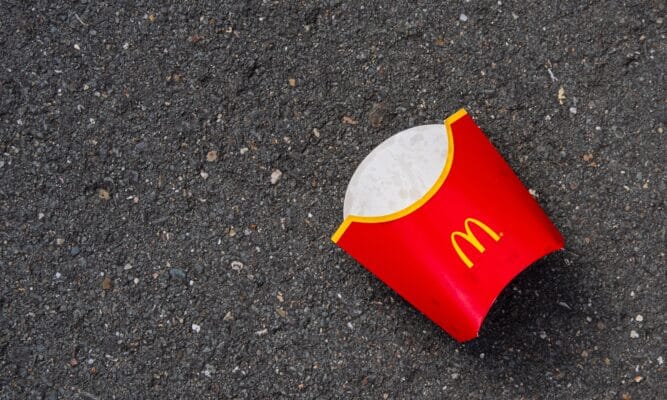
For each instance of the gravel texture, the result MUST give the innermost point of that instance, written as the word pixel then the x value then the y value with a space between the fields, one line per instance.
pixel 207 145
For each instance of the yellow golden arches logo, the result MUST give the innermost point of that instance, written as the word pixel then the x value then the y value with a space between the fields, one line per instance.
pixel 472 239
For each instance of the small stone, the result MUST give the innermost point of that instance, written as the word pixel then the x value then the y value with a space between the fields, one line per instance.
pixel 561 96
pixel 573 110
pixel 195 38
pixel 196 328
pixel 349 325
pixel 262 332
pixel 204 174
pixel 152 18
pixel 587 157
pixel 60 241
pixel 40 215
pixel 440 41
pixel 280 311
pixel 638 378
pixel 58 275
pixel 532 192
pixel 316 132
pixel 237 265
pixel 292 82
pixel 243 150
pixel 136 281
pixel 212 156
pixel 660 360
pixel 107 284
pixel 208 370
pixel 76 46
pixel 455 376
pixel 228 317
pixel 463 18
pixel 349 120
pixel 634 334
pixel 275 176
pixel 127 267
pixel 639 318
pixel 177 273
pixel 73 362
pixel 74 251
pixel 103 194
pixel 376 115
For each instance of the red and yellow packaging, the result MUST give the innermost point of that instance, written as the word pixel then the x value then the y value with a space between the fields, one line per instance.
pixel 452 252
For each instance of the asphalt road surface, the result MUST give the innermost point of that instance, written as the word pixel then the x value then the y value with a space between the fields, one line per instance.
pixel 146 253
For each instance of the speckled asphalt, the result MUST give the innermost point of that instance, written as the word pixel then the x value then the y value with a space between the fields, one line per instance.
pixel 146 253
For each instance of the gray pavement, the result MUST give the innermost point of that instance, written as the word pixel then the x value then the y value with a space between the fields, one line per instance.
pixel 146 253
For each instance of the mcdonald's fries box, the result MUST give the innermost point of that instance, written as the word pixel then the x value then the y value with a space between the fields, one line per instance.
pixel 438 215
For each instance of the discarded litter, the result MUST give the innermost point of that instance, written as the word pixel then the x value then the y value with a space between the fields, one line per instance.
pixel 438 215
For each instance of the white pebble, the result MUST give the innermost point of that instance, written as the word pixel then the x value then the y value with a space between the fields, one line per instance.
pixel 660 360
pixel 58 275
pixel 349 325
pixel 463 18
pixel 196 328
pixel 573 110
pixel 243 150
pixel 634 334
pixel 639 318
pixel 135 280
pixel 127 267
pixel 262 332
pixel 76 46
pixel 237 265
pixel 275 176
pixel 204 174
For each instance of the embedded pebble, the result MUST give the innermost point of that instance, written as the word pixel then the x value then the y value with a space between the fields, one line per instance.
pixel 463 18
pixel 639 318
pixel 237 265
pixel 177 273
pixel 196 328
pixel 634 334
pixel 107 284
pixel 211 156
pixel 74 251
pixel 208 370
pixel 573 110
pixel 275 176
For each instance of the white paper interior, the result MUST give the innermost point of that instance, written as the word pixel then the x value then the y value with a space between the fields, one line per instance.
pixel 398 172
